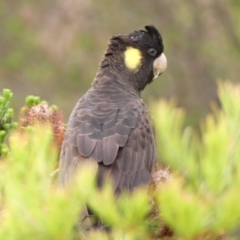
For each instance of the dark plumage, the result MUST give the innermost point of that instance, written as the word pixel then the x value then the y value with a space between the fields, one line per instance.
pixel 110 123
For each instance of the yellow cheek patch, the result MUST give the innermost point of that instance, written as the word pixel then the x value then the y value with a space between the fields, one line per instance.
pixel 132 57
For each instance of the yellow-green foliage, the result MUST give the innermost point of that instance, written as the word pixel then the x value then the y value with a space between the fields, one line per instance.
pixel 34 207
pixel 203 195
pixel 6 119
pixel 199 201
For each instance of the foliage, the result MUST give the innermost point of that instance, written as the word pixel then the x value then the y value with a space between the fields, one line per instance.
pixel 37 111
pixel 202 197
pixel 34 207
pixel 6 119
pixel 198 200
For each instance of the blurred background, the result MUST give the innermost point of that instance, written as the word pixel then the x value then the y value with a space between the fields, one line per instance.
pixel 52 48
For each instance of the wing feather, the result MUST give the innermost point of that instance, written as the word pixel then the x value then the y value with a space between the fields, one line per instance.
pixel 85 145
pixel 120 140
pixel 124 160
pixel 110 150
pixel 97 154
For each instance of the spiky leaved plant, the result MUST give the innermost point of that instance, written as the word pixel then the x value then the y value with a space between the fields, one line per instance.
pixel 31 205
pixel 34 207
pixel 6 119
pixel 201 200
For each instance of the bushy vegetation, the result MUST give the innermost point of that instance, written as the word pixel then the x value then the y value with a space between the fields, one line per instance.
pixel 202 197
pixel 6 119
pixel 32 207
pixel 198 200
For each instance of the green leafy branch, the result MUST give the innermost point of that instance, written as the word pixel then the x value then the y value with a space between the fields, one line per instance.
pixel 202 198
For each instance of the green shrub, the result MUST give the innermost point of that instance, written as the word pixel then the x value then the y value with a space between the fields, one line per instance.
pixel 6 119
pixel 202 198
pixel 199 200
pixel 32 206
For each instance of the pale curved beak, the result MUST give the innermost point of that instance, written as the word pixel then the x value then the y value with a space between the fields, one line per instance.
pixel 159 65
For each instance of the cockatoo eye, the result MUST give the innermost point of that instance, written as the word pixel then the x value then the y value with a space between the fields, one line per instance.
pixel 152 52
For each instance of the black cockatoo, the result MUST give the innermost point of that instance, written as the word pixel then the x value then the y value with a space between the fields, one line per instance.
pixel 110 123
